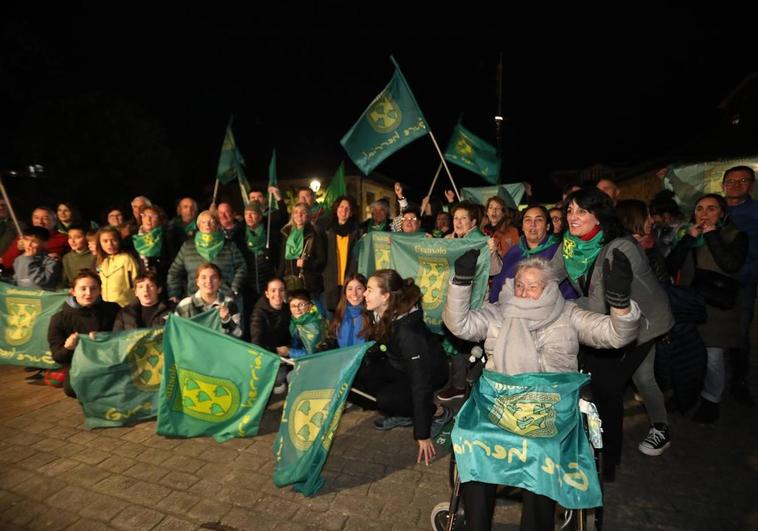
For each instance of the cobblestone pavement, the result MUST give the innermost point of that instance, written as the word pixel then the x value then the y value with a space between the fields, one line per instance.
pixel 54 474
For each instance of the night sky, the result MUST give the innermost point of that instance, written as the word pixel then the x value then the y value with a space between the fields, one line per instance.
pixel 116 103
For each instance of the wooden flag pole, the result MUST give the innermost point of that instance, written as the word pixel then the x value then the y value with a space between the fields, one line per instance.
pixel 268 221
pixel 442 159
pixel 434 181
pixel 352 389
pixel 215 193
pixel 10 208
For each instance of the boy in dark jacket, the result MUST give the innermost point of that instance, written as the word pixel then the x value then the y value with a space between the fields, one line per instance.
pixel 34 268
pixel 148 310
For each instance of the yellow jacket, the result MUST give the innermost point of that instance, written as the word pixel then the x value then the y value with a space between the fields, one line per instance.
pixel 118 273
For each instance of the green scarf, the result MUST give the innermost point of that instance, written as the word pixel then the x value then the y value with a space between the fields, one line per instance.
pixel 294 246
pixel 377 228
pixel 209 245
pixel 551 239
pixel 700 240
pixel 149 244
pixel 256 239
pixel 437 233
pixel 310 328
pixel 475 234
pixel 60 227
pixel 190 228
pixel 579 255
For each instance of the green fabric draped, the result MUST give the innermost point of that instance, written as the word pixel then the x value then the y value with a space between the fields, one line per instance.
pixel 209 245
pixel 293 249
pixel 579 255
pixel 150 243
pixel 256 239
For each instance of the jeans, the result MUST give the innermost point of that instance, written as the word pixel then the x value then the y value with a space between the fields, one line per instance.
pixel 715 375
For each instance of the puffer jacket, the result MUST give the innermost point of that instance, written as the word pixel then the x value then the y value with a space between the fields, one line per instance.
pixel 657 318
pixel 557 344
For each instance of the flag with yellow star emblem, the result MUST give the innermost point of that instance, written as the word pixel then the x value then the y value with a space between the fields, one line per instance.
pixel 24 319
pixel 318 389
pixel 468 151
pixel 392 121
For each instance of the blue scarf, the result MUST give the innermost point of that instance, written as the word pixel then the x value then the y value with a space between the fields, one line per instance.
pixel 350 327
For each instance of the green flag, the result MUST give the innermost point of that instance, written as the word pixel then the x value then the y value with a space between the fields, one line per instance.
pixel 373 251
pixel 392 121
pixel 117 375
pixel 526 431
pixel 336 187
pixel 510 193
pixel 24 319
pixel 317 392
pixel 272 181
pixel 213 384
pixel 230 163
pixel 430 262
pixel 468 151
pixel 690 181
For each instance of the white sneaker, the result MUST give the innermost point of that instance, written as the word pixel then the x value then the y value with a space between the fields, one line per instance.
pixel 657 440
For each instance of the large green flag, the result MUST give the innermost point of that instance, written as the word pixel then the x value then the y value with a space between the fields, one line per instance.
pixel 230 163
pixel 117 375
pixel 373 251
pixel 336 187
pixel 24 319
pixel 431 263
pixel 272 180
pixel 510 193
pixel 690 181
pixel 474 154
pixel 317 392
pixel 526 431
pixel 392 121
pixel 213 384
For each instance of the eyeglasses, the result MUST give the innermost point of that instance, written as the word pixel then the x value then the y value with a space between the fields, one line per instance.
pixel 414 218
pixel 737 182
pixel 299 305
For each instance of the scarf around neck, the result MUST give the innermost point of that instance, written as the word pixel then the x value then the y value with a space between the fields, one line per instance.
pixel 256 239
pixel 547 241
pixel 579 255
pixel 150 243
pixel 310 328
pixel 209 245
pixel 515 351
pixel 293 248
pixel 350 327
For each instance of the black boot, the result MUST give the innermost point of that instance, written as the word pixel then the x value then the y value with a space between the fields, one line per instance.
pixel 707 413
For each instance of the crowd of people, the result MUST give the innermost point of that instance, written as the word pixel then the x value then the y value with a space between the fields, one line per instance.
pixel 594 283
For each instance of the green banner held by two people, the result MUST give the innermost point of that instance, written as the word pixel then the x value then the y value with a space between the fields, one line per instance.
pixel 318 390
pixel 429 261
pixel 117 375
pixel 24 319
pixel 526 431
pixel 213 384
pixel 392 121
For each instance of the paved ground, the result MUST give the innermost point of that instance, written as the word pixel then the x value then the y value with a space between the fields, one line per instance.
pixel 54 474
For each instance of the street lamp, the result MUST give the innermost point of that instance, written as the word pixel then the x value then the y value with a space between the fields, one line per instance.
pixel 315 185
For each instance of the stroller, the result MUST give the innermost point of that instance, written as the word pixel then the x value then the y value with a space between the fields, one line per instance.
pixel 450 516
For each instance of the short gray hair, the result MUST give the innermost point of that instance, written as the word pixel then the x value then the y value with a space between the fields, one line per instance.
pixel 541 265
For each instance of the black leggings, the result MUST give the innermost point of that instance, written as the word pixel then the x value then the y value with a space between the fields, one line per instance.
pixel 537 511
pixel 611 370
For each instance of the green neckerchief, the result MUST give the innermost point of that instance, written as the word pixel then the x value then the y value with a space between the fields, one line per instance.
pixel 150 243
pixel 378 228
pixel 700 240
pixel 579 255
pixel 190 228
pixel 60 227
pixel 551 239
pixel 437 233
pixel 474 233
pixel 294 246
pixel 309 327
pixel 209 245
pixel 256 239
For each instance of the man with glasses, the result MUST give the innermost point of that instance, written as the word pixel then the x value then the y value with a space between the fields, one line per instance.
pixel 412 220
pixel 737 184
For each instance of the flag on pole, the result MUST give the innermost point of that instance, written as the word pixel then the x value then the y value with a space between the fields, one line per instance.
pixel 336 188
pixel 318 390
pixel 24 319
pixel 230 163
pixel 272 180
pixel 392 121
pixel 510 193
pixel 213 384
pixel 470 152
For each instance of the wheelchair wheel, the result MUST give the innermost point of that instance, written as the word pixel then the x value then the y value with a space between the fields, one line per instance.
pixel 441 514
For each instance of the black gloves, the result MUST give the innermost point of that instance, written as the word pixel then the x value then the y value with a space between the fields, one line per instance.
pixel 465 267
pixel 618 281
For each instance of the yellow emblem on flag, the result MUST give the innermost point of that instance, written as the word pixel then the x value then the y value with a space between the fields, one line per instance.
pixel 22 314
pixel 384 115
pixel 307 416
pixel 530 414
pixel 433 275
pixel 464 148
pixel 146 363
pixel 206 397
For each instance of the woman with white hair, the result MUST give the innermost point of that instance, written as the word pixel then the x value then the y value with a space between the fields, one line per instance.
pixel 532 328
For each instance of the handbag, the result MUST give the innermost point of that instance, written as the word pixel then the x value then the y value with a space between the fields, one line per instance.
pixel 718 290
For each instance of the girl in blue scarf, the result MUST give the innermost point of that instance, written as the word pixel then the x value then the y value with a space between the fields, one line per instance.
pixel 350 317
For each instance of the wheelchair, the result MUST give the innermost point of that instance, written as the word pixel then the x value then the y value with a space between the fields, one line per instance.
pixel 450 515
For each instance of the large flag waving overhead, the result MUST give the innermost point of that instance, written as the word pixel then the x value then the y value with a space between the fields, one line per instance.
pixel 24 319
pixel 526 431
pixel 317 392
pixel 474 154
pixel 510 193
pixel 213 384
pixel 392 121
pixel 230 163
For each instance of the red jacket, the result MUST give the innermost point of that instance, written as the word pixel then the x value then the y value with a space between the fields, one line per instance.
pixel 58 243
